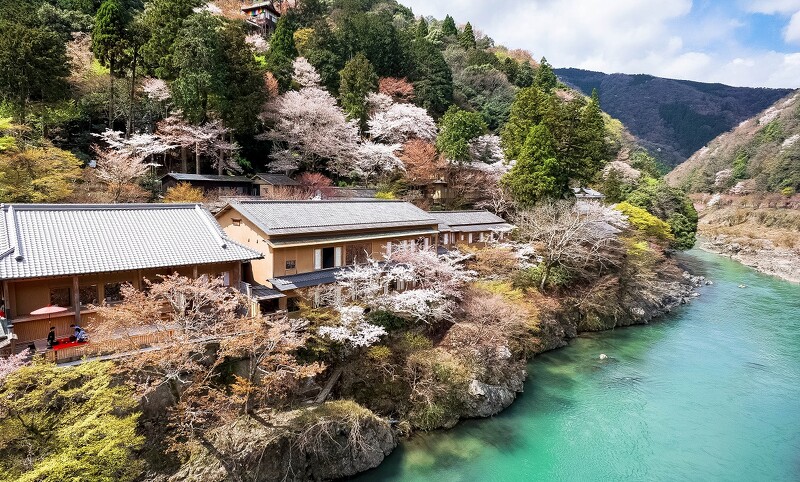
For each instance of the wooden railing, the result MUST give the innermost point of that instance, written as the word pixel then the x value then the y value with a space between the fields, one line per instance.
pixel 132 343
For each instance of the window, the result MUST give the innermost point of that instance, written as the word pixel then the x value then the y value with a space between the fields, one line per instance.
pixel 357 253
pixel 88 295
pixel 291 264
pixel 112 292
pixel 328 258
pixel 446 239
pixel 61 297
pixel 469 238
pixel 236 221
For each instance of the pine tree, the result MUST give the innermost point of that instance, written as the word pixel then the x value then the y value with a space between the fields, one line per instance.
pixel 449 27
pixel 282 41
pixel 164 20
pixel 591 138
pixel 109 42
pixel 537 174
pixel 545 78
pixel 357 79
pixel 422 28
pixel 467 37
pixel 526 111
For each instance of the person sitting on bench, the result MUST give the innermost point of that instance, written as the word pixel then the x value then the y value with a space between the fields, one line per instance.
pixel 51 337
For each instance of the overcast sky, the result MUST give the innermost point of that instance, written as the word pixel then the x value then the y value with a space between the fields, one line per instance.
pixel 745 43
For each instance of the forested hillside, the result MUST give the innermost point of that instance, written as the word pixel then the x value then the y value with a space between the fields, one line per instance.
pixel 759 155
pixel 672 118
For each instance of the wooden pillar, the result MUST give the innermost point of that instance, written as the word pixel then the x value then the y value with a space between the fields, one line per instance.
pixel 76 299
pixel 194 272
pixel 7 299
pixel 236 275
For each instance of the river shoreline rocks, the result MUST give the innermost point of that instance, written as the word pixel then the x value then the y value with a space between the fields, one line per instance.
pixel 759 254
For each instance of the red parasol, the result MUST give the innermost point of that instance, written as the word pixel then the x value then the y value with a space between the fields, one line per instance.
pixel 49 310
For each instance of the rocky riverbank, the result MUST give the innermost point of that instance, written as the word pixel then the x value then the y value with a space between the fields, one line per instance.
pixel 759 254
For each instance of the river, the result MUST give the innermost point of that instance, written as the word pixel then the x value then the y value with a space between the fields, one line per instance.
pixel 711 392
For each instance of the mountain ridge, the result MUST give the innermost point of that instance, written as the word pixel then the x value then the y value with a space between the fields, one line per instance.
pixel 672 118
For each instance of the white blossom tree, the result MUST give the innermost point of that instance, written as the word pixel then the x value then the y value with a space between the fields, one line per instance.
pixel 397 123
pixel 373 160
pixel 353 329
pixel 156 89
pixel 305 74
pixel 209 140
pixel 121 162
pixel 12 363
pixel 486 149
pixel 257 42
pixel 309 128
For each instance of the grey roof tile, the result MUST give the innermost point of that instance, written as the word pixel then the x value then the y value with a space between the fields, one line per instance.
pixel 275 179
pixel 458 220
pixel 58 240
pixel 207 177
pixel 300 217
pixel 305 280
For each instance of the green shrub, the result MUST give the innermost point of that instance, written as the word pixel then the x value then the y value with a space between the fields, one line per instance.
pixel 645 222
pixel 532 278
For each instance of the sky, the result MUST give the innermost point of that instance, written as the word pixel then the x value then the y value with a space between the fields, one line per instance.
pixel 736 42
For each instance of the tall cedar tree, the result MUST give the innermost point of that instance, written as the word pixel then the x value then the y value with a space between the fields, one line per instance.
pixel 526 112
pixel 525 75
pixel 449 27
pixel 422 28
pixel 377 38
pixel 358 79
pixel 164 19
pixel 545 78
pixel 467 37
pixel 281 54
pixel 432 78
pixel 243 91
pixel 33 65
pixel 109 43
pixel 456 129
pixel 197 56
pixel 537 175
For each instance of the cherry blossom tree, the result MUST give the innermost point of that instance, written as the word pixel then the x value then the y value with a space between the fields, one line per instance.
pixel 422 162
pixel 207 140
pixel 156 89
pixel 305 74
pixel 373 160
pixel 12 363
pixel 122 162
pixel 486 149
pixel 309 128
pixel 400 122
pixel 257 42
pixel 353 328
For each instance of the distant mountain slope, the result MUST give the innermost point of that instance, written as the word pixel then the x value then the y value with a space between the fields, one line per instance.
pixel 672 118
pixel 760 155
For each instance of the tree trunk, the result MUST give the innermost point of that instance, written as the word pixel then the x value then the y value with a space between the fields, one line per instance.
pixel 184 159
pixel 545 275
pixel 111 95
pixel 129 130
pixel 197 158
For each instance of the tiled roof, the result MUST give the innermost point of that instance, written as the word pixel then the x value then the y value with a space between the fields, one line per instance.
pixel 351 193
pixel 460 218
pixel 305 280
pixel 207 178
pixel 276 179
pixel 470 221
pixel 302 217
pixel 585 192
pixel 67 239
pixel 262 293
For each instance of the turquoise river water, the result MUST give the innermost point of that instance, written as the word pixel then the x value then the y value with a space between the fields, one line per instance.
pixel 711 392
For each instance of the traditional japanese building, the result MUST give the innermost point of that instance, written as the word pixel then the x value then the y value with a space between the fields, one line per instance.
pixel 263 15
pixel 74 256
pixel 470 228
pixel 212 183
pixel 306 243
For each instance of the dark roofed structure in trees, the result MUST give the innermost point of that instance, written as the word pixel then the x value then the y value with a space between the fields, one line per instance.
pixel 263 15
pixel 210 183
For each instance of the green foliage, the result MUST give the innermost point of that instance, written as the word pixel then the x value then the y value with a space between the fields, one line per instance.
pixel 33 174
pixel 772 132
pixel 432 78
pixel 68 424
pixel 525 76
pixel 558 277
pixel 645 222
pixel 33 64
pixel 199 63
pixel 387 319
pixel 467 37
pixel 386 195
pixel 109 39
pixel 456 129
pixel 739 170
pixel 422 29
pixel 242 93
pixel 164 20
pixel 670 205
pixel 282 41
pixel 615 188
pixel 526 111
pixel 545 79
pixel 357 79
pixel 537 174
pixel 647 164
pixel 449 26
pixel 375 36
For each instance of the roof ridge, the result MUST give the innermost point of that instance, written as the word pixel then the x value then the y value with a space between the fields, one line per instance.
pixel 96 207
pixel 318 201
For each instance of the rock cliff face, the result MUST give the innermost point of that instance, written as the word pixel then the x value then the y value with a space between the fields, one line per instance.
pixel 759 254
pixel 335 440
